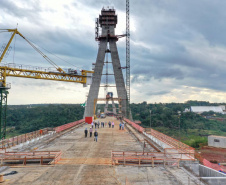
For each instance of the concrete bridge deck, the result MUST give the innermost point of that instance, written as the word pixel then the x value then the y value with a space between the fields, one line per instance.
pixel 85 161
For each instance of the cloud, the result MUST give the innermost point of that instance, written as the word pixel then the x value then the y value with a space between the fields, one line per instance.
pixel 157 93
pixel 175 45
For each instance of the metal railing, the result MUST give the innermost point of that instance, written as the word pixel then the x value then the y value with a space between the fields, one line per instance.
pixel 7 143
pixel 68 125
pixel 164 140
pixel 136 126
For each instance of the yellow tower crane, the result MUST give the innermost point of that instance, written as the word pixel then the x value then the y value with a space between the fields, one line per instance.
pixel 59 75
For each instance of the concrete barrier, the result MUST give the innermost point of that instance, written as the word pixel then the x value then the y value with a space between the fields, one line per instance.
pixel 211 176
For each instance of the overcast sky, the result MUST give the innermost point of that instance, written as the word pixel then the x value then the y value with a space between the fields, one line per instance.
pixel 178 48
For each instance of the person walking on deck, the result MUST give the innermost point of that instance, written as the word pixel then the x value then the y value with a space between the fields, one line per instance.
pixel 95 124
pixel 98 124
pixel 86 132
pixel 109 123
pixel 113 124
pixel 95 135
pixel 120 126
pixel 90 131
pixel 123 126
pixel 92 124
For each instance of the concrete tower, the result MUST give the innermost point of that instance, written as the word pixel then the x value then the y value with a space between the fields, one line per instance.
pixel 107 21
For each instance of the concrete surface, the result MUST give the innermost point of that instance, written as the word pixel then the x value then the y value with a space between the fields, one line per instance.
pixel 85 161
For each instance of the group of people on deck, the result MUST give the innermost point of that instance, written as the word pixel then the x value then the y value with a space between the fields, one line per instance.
pixel 103 124
pixel 97 125
pixel 91 132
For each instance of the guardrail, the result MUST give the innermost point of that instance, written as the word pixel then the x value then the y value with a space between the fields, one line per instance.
pixel 164 140
pixel 68 125
pixel 181 147
pixel 170 141
pixel 7 143
pixel 137 127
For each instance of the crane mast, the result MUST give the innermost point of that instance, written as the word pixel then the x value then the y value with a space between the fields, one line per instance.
pixel 127 59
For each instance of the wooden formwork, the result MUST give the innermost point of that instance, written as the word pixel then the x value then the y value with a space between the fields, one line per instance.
pixel 41 156
pixel 142 158
pixel 184 154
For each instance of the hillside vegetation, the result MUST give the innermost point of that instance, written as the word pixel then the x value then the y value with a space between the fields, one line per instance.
pixel 189 127
pixel 28 118
pixel 192 130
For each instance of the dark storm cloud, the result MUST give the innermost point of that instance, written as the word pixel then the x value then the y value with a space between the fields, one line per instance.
pixel 178 40
pixel 168 26
pixel 151 93
pixel 8 6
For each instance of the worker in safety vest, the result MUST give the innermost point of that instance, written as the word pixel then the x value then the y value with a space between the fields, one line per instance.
pixel 41 132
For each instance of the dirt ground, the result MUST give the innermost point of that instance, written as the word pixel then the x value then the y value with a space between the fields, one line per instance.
pixel 214 154
pixel 85 161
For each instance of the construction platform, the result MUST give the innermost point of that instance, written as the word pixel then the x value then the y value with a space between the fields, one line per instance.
pixel 84 161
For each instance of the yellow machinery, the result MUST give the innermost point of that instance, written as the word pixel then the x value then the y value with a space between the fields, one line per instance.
pixel 59 75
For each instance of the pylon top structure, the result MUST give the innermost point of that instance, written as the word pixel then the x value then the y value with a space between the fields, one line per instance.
pixel 108 17
pixel 107 21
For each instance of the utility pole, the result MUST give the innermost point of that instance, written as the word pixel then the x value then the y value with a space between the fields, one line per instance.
pixel 179 114
pixel 150 118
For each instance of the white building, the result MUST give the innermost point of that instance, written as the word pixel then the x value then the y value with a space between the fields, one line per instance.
pixel 201 109
pixel 217 141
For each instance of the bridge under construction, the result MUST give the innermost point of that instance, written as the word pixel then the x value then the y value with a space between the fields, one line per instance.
pixel 62 155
